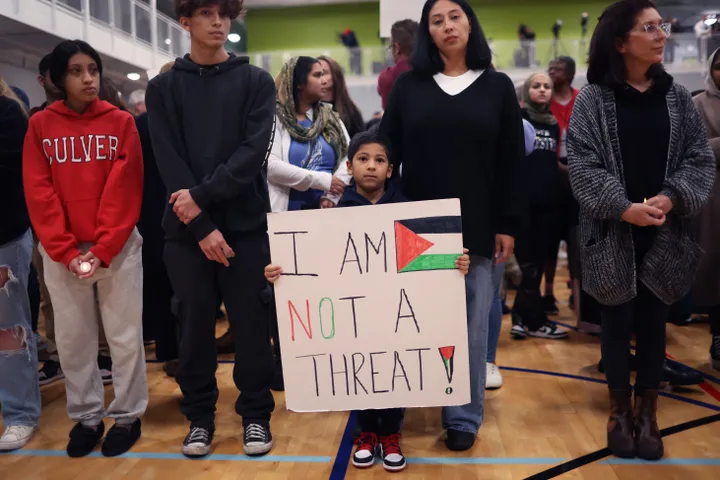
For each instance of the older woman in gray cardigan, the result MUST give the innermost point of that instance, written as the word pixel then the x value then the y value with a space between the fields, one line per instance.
pixel 640 167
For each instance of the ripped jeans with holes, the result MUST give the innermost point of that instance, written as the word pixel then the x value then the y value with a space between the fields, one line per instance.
pixel 19 388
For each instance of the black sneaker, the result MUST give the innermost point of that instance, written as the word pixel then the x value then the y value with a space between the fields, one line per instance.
pixel 715 352
pixel 505 309
pixel 105 365
pixel 458 441
pixel 83 440
pixel 50 372
pixel 197 443
pixel 518 330
pixel 121 438
pixel 549 331
pixel 550 305
pixel 258 440
pixel 171 367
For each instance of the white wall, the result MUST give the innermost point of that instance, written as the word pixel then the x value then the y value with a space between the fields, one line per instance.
pixel 25 80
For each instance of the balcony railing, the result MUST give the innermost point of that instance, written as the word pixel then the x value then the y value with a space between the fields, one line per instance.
pixel 683 50
pixel 133 18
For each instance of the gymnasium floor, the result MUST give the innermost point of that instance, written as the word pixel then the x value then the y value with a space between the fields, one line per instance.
pixel 551 410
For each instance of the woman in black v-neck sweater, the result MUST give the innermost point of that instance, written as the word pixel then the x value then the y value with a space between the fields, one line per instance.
pixel 455 128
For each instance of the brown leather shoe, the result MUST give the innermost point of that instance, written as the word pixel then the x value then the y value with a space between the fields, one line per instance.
pixel 225 344
pixel 648 441
pixel 620 425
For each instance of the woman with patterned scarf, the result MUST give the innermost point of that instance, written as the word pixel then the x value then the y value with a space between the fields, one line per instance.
pixel 542 183
pixel 306 167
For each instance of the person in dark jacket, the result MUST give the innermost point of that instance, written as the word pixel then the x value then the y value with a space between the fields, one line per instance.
pixel 542 183
pixel 19 390
pixel 371 169
pixel 640 167
pixel 211 123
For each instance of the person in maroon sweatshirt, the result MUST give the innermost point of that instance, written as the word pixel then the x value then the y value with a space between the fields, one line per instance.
pixel 83 179
pixel 402 41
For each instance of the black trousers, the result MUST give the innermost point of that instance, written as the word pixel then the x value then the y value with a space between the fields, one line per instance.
pixel 381 422
pixel 197 282
pixel 531 251
pixel 645 316
pixel 159 320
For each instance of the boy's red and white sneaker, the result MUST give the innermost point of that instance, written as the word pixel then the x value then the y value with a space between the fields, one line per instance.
pixel 367 445
pixel 393 458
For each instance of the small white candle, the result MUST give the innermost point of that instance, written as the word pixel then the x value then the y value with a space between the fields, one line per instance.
pixel 85 267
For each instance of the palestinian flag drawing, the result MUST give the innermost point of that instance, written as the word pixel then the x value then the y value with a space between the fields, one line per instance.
pixel 429 243
pixel 448 355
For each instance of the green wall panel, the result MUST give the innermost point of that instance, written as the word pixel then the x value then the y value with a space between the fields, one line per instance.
pixel 317 26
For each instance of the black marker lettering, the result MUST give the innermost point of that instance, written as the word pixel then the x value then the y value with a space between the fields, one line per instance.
pixel 373 372
pixel 295 256
pixel 333 373
pixel 356 380
pixel 404 373
pixel 403 295
pixel 368 244
pixel 317 384
pixel 350 241
pixel 420 362
pixel 352 303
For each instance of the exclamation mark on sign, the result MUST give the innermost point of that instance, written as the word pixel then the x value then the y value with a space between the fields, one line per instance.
pixel 448 355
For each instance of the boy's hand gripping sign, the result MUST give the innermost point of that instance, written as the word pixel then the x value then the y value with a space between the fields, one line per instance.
pixel 371 308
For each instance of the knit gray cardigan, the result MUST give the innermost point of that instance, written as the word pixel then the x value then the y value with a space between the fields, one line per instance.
pixel 609 272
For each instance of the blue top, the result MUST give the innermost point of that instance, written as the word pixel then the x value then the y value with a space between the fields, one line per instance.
pixel 317 156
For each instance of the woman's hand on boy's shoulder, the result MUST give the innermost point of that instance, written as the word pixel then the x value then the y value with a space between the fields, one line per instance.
pixel 463 262
pixel 272 273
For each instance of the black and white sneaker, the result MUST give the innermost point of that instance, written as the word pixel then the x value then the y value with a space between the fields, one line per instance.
pixel 550 331
pixel 258 440
pixel 105 366
pixel 518 330
pixel 50 372
pixel 550 305
pixel 715 352
pixel 198 442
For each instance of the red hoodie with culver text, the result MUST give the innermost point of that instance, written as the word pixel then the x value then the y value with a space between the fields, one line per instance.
pixel 83 178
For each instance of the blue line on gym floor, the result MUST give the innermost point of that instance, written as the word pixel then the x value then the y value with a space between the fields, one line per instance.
pixel 179 456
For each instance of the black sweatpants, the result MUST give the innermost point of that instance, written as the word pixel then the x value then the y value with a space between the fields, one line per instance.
pixel 197 282
pixel 531 248
pixel 645 316
pixel 382 422
pixel 159 320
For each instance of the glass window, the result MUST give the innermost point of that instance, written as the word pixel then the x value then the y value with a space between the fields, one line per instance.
pixel 74 4
pixel 163 31
pixel 100 10
pixel 142 23
pixel 123 16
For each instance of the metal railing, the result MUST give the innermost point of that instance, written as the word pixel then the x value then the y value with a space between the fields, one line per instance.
pixel 682 50
pixel 133 18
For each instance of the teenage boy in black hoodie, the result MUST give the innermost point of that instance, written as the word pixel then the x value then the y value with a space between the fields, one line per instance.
pixel 211 122
pixel 369 165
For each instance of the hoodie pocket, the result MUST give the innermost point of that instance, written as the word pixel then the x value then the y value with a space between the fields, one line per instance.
pixel 669 267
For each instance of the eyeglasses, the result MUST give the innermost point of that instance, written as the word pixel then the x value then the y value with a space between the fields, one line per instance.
pixel 653 29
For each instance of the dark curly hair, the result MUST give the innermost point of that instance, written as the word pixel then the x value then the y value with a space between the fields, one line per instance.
pixel 228 8
pixel 606 65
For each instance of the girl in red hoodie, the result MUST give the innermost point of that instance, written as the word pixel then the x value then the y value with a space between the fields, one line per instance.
pixel 83 178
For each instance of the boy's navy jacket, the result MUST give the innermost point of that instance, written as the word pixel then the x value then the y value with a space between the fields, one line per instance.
pixel 351 197
pixel 211 126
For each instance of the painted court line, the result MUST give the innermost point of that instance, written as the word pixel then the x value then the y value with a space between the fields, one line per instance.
pixel 180 456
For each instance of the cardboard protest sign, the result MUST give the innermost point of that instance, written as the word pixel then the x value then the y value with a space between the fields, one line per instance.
pixel 371 309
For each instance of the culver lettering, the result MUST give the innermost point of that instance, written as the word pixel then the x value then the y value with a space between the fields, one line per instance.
pixel 80 149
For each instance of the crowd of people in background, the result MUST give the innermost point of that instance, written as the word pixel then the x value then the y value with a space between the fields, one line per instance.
pixel 131 223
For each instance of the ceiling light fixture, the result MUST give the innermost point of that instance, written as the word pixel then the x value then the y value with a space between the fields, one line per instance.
pixel 234 37
pixel 168 41
pixel 133 76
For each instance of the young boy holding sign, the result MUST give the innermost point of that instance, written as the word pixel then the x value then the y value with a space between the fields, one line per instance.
pixel 370 168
